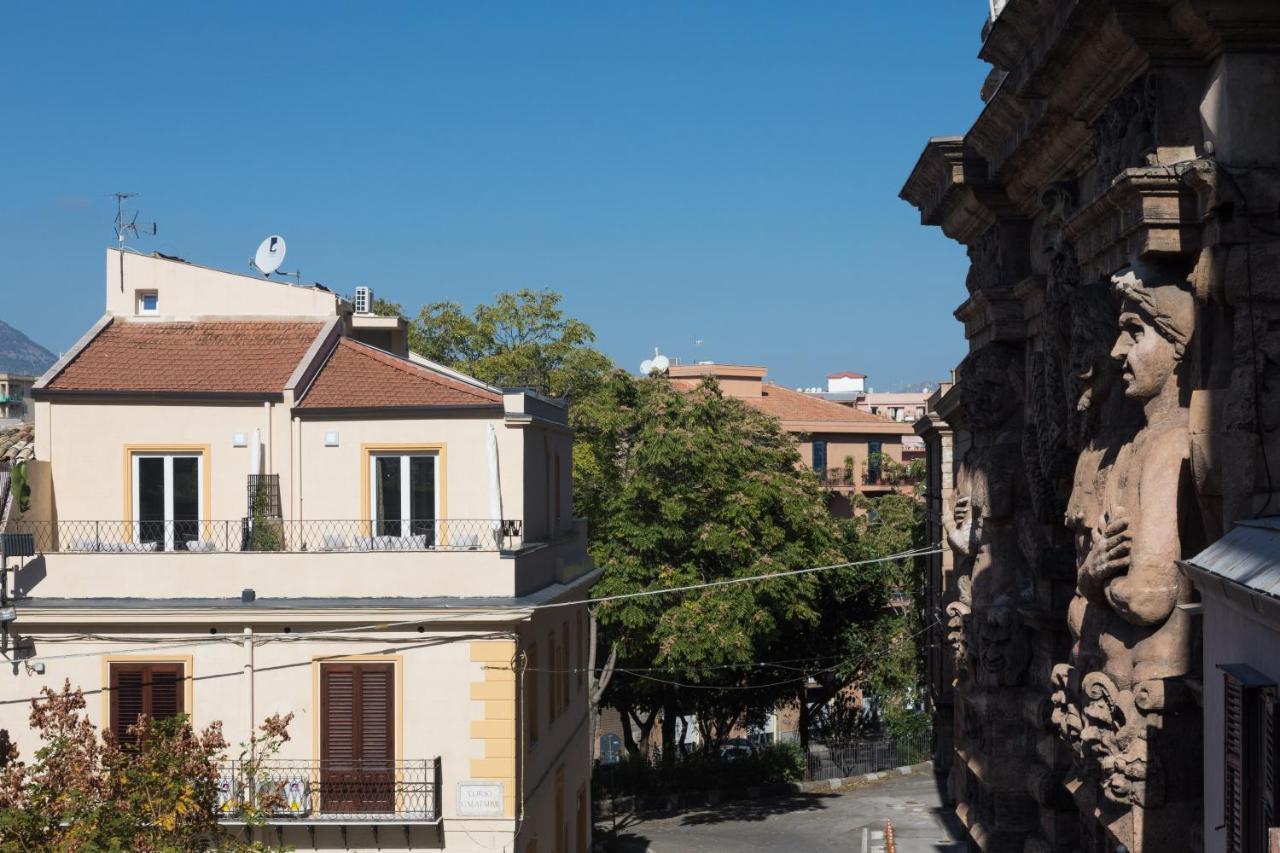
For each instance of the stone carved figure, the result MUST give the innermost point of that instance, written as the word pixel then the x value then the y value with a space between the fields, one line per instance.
pixel 1131 500
pixel 982 527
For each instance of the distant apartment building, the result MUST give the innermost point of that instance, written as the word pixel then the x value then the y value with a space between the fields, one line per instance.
pixel 246 499
pixel 851 451
pixel 15 396
pixel 850 389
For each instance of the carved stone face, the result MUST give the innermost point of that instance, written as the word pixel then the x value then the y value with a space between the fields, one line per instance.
pixel 989 390
pixel 1148 358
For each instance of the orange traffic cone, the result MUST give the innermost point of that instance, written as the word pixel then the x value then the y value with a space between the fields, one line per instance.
pixel 889 846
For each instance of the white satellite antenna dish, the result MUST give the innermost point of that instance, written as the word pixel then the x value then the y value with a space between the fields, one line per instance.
pixel 646 367
pixel 661 363
pixel 270 255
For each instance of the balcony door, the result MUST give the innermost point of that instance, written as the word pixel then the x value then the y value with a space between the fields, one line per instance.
pixel 166 499
pixel 404 487
pixel 357 738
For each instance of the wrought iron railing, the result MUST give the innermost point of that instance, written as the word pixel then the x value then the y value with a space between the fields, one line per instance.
pixel 302 791
pixel 273 535
pixel 840 760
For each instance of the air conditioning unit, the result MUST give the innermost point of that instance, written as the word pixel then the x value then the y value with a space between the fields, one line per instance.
pixel 292 797
pixel 364 300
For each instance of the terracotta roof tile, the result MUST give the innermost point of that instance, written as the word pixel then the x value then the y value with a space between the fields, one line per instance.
pixel 787 405
pixel 847 374
pixel 224 356
pixel 358 376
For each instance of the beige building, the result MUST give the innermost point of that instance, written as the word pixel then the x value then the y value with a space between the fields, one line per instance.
pixel 241 507
pixel 853 452
pixel 15 396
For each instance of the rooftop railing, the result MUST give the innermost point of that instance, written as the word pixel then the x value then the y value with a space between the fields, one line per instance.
pixel 263 535
pixel 283 792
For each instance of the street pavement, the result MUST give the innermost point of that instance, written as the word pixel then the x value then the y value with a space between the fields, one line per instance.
pixel 845 821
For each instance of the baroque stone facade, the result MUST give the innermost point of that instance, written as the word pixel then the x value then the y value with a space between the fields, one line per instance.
pixel 1119 200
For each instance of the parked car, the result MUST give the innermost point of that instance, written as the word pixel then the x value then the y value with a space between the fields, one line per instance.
pixel 735 748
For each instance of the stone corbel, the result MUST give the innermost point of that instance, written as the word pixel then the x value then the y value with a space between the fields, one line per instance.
pixel 992 315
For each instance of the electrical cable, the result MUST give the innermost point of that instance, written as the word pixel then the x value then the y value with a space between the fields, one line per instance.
pixel 480 612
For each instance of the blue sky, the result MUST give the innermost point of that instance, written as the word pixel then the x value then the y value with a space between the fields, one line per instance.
pixel 723 171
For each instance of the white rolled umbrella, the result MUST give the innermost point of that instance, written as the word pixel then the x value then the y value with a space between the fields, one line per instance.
pixel 255 454
pixel 495 484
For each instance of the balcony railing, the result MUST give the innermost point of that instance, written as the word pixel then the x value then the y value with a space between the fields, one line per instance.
pixel 11 398
pixel 272 535
pixel 282 792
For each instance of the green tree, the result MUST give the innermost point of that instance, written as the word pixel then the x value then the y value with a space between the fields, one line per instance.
pixel 686 488
pixel 523 338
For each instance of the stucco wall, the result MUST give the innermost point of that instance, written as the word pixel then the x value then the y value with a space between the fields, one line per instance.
pixel 186 291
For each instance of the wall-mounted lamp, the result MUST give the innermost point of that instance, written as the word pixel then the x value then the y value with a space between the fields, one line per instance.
pixel 331 438
pixel 239 439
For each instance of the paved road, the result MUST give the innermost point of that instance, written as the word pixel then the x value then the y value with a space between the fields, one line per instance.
pixel 806 822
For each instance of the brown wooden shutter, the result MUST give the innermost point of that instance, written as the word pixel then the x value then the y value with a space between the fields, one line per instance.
pixel 1233 763
pixel 1267 758
pixel 553 658
pixel 151 689
pixel 338 714
pixel 531 694
pixel 357 713
pixel 564 669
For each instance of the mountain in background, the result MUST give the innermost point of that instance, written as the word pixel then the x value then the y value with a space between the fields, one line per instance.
pixel 914 387
pixel 20 354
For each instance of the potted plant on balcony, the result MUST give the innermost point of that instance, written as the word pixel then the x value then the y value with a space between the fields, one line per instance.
pixel 848 468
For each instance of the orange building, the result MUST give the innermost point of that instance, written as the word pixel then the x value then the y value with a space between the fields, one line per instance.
pixel 850 450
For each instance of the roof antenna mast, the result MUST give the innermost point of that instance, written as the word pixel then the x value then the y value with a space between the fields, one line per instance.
pixel 124 227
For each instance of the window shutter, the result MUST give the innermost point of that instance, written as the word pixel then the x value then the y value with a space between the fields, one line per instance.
pixel 338 714
pixel 564 669
pixel 1233 764
pixel 377 714
pixel 126 701
pixel 531 698
pixel 1267 757
pixel 151 689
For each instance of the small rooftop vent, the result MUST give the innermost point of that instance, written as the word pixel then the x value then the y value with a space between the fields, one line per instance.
pixel 364 300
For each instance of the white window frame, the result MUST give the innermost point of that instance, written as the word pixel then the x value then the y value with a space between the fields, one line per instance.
pixel 140 295
pixel 168 492
pixel 406 503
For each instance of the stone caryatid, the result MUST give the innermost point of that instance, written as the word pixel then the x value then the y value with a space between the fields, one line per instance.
pixel 982 526
pixel 1130 506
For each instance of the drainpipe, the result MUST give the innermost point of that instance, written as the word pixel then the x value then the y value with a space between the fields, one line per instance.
pixel 248 686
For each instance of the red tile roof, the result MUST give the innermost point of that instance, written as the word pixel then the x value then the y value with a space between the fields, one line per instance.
pixel 358 376
pixel 848 374
pixel 787 405
pixel 204 356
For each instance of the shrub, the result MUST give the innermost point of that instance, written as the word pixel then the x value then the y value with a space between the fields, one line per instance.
pixel 695 772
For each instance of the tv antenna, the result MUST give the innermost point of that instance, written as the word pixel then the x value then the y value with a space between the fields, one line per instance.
pixel 125 226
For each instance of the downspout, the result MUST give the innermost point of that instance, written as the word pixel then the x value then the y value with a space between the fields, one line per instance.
pixel 248 687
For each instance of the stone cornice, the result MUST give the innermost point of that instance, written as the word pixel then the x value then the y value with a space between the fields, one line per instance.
pixel 991 315
pixel 1156 210
pixel 949 186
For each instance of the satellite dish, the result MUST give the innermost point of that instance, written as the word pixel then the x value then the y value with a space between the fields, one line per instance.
pixel 661 363
pixel 270 255
pixel 646 367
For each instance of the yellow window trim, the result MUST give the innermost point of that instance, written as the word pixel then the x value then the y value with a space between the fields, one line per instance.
pixel 205 451
pixel 368 450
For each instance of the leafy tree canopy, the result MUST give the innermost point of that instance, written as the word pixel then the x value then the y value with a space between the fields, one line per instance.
pixel 522 339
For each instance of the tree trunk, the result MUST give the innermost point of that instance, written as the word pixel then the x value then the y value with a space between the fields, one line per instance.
pixel 628 739
pixel 597 683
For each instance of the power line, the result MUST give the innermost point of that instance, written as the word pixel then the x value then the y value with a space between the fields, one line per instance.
pixel 480 612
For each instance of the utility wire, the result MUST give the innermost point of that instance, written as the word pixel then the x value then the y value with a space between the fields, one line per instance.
pixel 468 612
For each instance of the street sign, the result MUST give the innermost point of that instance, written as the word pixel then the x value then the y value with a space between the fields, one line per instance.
pixel 479 799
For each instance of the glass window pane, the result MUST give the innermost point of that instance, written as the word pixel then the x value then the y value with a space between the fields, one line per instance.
pixel 151 499
pixel 422 493
pixel 186 498
pixel 387 500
